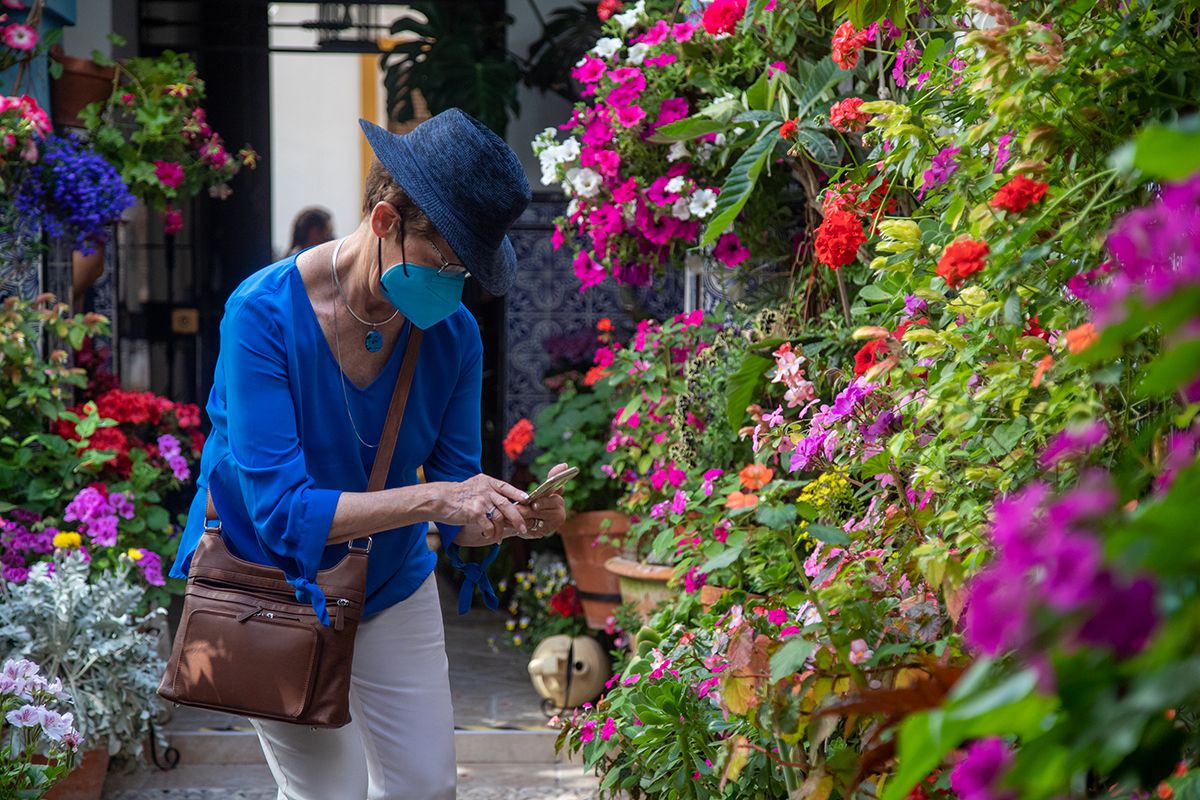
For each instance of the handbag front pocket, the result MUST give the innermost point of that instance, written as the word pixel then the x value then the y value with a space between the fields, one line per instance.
pixel 247 658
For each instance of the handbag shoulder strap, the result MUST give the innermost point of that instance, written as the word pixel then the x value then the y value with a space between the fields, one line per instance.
pixel 391 425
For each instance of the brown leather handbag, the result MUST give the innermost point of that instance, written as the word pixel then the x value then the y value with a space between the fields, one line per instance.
pixel 247 646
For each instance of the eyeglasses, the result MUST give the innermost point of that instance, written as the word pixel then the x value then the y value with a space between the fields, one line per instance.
pixel 454 268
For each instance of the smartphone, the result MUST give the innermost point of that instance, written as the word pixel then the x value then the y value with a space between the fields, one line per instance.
pixel 550 484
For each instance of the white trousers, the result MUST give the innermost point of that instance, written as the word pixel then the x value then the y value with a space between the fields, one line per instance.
pixel 400 742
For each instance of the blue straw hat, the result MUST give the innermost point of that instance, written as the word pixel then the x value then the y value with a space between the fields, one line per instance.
pixel 467 181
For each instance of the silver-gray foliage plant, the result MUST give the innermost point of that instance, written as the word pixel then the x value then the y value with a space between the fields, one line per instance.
pixel 87 633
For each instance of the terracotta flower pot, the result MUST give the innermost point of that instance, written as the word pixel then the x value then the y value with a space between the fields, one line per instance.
pixel 85 271
pixel 598 588
pixel 82 82
pixel 643 584
pixel 86 781
pixel 709 595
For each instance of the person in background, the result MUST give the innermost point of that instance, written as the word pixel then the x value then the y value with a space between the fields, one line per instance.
pixel 311 227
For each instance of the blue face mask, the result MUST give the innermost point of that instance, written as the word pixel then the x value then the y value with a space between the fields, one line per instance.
pixel 424 295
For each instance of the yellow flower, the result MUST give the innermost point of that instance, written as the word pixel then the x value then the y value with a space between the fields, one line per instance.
pixel 134 554
pixel 510 625
pixel 67 540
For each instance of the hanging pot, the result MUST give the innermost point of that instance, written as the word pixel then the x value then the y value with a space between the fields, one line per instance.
pixel 86 781
pixel 82 82
pixel 598 588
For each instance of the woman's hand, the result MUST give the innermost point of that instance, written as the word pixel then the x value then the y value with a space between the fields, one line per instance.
pixel 546 514
pixel 482 503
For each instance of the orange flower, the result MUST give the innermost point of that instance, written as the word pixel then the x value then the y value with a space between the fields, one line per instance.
pixel 604 325
pixel 1081 338
pixel 1040 372
pixel 593 375
pixel 1164 791
pixel 518 438
pixel 739 500
pixel 756 476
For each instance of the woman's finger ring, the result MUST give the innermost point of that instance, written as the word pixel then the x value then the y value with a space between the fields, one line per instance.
pixel 491 512
pixel 537 524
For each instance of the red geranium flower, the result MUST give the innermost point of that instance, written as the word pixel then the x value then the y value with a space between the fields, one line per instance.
pixel 566 602
pixel 867 356
pixel 608 7
pixel 788 129
pixel 518 438
pixel 722 16
pixel 845 117
pixel 839 236
pixel 961 259
pixel 847 42
pixel 1018 194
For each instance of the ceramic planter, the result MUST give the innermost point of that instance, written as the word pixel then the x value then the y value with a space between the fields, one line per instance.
pixel 86 781
pixel 598 588
pixel 644 585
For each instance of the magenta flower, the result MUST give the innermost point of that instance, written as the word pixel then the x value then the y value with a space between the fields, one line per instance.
pixel 777 616
pixel 609 728
pixel 20 37
pixel 630 115
pixel 1003 154
pixel 671 110
pixel 679 502
pixel 729 250
pixel 683 31
pixel 587 731
pixel 976 776
pixel 589 70
pixel 940 170
pixel 1073 442
pixel 710 476
pixel 169 173
pixel 908 55
pixel 693 580
pixel 150 565
pixel 776 67
pixel 657 33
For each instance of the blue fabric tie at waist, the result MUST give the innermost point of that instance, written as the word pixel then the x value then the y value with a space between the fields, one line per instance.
pixel 476 575
pixel 309 592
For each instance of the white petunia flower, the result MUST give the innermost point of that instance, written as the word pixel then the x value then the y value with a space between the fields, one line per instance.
pixel 607 47
pixel 572 207
pixel 586 181
pixel 629 210
pixel 703 202
pixel 637 53
pixel 678 150
pixel 680 209
pixel 628 19
pixel 676 184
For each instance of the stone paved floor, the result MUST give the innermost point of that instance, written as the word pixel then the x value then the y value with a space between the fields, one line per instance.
pixel 490 690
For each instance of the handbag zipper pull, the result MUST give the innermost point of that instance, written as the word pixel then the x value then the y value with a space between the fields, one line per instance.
pixel 245 615
pixel 338 622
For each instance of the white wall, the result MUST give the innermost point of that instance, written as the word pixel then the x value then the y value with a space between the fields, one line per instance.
pixel 538 111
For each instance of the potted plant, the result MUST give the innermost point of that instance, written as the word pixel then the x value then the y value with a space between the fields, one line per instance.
pixel 153 128
pixel 67 609
pixel 646 380
pixel 573 430
pixel 38 739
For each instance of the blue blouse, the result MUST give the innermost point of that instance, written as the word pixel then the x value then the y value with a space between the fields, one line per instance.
pixel 282 449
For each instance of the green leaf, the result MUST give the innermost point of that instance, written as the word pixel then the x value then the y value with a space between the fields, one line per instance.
pixel 740 183
pixel 874 294
pixel 1171 369
pixel 1005 437
pixel 776 517
pixel 758 96
pixel 818 146
pixel 686 129
pixel 630 409
pixel 828 534
pixel 721 560
pixel 741 387
pixel 810 84
pixel 790 658
pixel 1167 153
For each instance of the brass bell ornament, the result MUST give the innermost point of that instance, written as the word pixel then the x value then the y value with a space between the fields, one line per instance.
pixel 568 672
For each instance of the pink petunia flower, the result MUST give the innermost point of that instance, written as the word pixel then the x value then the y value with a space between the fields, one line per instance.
pixel 20 37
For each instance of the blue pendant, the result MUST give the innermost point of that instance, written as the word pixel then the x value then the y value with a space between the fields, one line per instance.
pixel 374 341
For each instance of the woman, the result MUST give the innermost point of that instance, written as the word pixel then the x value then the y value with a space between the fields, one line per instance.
pixel 311 227
pixel 310 350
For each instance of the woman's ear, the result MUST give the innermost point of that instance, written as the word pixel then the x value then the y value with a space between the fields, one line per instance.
pixel 384 219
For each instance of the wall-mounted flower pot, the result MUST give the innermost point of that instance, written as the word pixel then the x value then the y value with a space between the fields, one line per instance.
pixel 85 271
pixel 82 82
pixel 86 781
pixel 644 585
pixel 599 590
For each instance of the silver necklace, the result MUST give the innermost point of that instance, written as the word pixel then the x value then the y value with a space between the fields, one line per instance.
pixel 337 342
pixel 373 341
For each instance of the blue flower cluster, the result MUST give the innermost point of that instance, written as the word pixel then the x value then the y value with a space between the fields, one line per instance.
pixel 72 192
